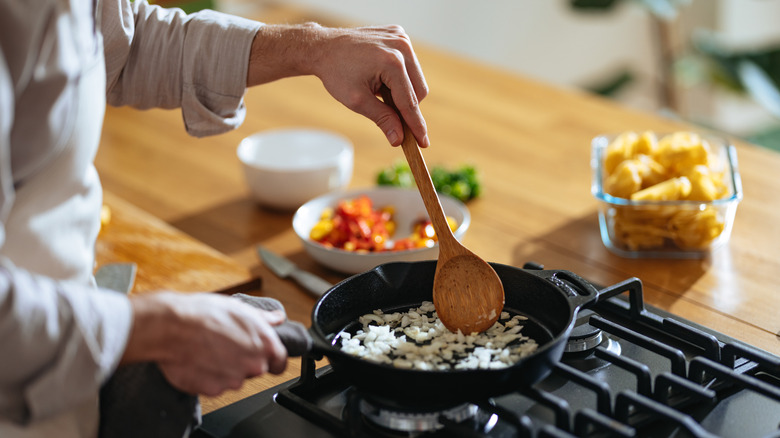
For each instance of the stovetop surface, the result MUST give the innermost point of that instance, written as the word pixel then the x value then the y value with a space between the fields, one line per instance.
pixel 652 374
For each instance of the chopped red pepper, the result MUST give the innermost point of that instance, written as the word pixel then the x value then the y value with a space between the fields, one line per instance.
pixel 355 225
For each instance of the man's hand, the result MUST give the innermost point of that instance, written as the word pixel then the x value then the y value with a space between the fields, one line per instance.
pixel 353 64
pixel 204 343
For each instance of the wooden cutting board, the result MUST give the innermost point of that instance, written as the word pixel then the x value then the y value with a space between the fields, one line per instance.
pixel 166 258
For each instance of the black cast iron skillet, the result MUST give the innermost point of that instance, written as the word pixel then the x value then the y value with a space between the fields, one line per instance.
pixel 549 298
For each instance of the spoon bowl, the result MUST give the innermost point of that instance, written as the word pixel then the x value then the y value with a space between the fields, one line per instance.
pixel 467 293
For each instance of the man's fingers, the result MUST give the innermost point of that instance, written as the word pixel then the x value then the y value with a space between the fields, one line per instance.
pixel 385 118
pixel 275 353
pixel 275 317
pixel 406 103
pixel 413 68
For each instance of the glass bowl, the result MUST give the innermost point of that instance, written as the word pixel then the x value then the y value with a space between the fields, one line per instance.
pixel 667 228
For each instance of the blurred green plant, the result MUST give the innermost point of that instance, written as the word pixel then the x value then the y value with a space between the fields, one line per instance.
pixel 754 72
pixel 461 183
pixel 664 9
pixel 188 6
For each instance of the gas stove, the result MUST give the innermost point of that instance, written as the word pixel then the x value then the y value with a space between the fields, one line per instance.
pixel 629 370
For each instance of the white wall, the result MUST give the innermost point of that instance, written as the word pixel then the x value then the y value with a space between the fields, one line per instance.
pixel 547 40
pixel 541 38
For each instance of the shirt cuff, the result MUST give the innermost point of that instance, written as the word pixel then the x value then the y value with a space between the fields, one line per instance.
pixel 215 63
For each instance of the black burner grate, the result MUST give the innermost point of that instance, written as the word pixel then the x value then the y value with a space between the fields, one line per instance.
pixel 669 377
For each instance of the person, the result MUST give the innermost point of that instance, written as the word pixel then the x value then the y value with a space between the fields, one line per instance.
pixel 60 62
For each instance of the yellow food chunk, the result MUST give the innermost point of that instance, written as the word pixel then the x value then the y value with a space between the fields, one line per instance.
pixel 625 180
pixel 452 223
pixel 105 215
pixel 670 190
pixel 651 171
pixel 321 229
pixel 696 229
pixel 704 185
pixel 646 143
pixel 621 148
pixel 682 150
pixel 638 236
pixel 327 213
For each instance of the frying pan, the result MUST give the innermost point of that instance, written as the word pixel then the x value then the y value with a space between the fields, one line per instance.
pixel 550 299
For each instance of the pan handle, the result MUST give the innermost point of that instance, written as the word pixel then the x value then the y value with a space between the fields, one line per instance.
pixel 603 294
pixel 295 338
pixel 578 291
pixel 632 285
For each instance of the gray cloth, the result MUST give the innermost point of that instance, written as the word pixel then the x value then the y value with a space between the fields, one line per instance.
pixel 293 334
pixel 137 401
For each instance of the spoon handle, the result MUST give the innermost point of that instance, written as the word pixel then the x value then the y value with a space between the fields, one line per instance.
pixel 424 183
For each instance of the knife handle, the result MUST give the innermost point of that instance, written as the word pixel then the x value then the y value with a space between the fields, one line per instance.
pixel 312 283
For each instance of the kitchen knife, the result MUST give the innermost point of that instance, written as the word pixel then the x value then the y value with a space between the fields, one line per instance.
pixel 284 268
pixel 116 276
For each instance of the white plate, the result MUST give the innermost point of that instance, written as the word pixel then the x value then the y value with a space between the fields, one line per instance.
pixel 409 209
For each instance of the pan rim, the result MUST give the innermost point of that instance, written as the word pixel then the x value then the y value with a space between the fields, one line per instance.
pixel 326 342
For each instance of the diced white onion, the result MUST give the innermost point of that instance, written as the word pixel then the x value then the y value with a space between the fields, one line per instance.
pixel 417 339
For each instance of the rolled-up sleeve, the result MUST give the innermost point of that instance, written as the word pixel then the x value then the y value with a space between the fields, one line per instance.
pixel 164 58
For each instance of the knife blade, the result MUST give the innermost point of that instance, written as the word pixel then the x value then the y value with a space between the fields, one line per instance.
pixel 284 268
pixel 116 276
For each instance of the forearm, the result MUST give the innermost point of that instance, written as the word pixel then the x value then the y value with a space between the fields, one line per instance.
pixel 280 51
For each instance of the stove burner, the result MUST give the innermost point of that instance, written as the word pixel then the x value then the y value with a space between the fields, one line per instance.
pixel 587 341
pixel 584 338
pixel 415 421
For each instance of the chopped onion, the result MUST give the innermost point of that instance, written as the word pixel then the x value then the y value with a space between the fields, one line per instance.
pixel 417 339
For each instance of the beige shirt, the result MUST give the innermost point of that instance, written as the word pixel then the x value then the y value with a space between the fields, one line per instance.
pixel 60 336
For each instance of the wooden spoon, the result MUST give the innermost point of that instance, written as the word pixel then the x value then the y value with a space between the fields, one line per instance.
pixel 467 292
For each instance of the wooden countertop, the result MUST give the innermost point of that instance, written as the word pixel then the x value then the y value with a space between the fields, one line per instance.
pixel 531 143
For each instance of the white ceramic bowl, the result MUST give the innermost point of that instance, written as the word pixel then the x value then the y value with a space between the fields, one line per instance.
pixel 285 168
pixel 409 209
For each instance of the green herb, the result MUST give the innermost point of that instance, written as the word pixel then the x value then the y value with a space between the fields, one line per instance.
pixel 461 183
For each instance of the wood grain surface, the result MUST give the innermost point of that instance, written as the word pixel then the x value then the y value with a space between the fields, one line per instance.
pixel 529 141
pixel 166 258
